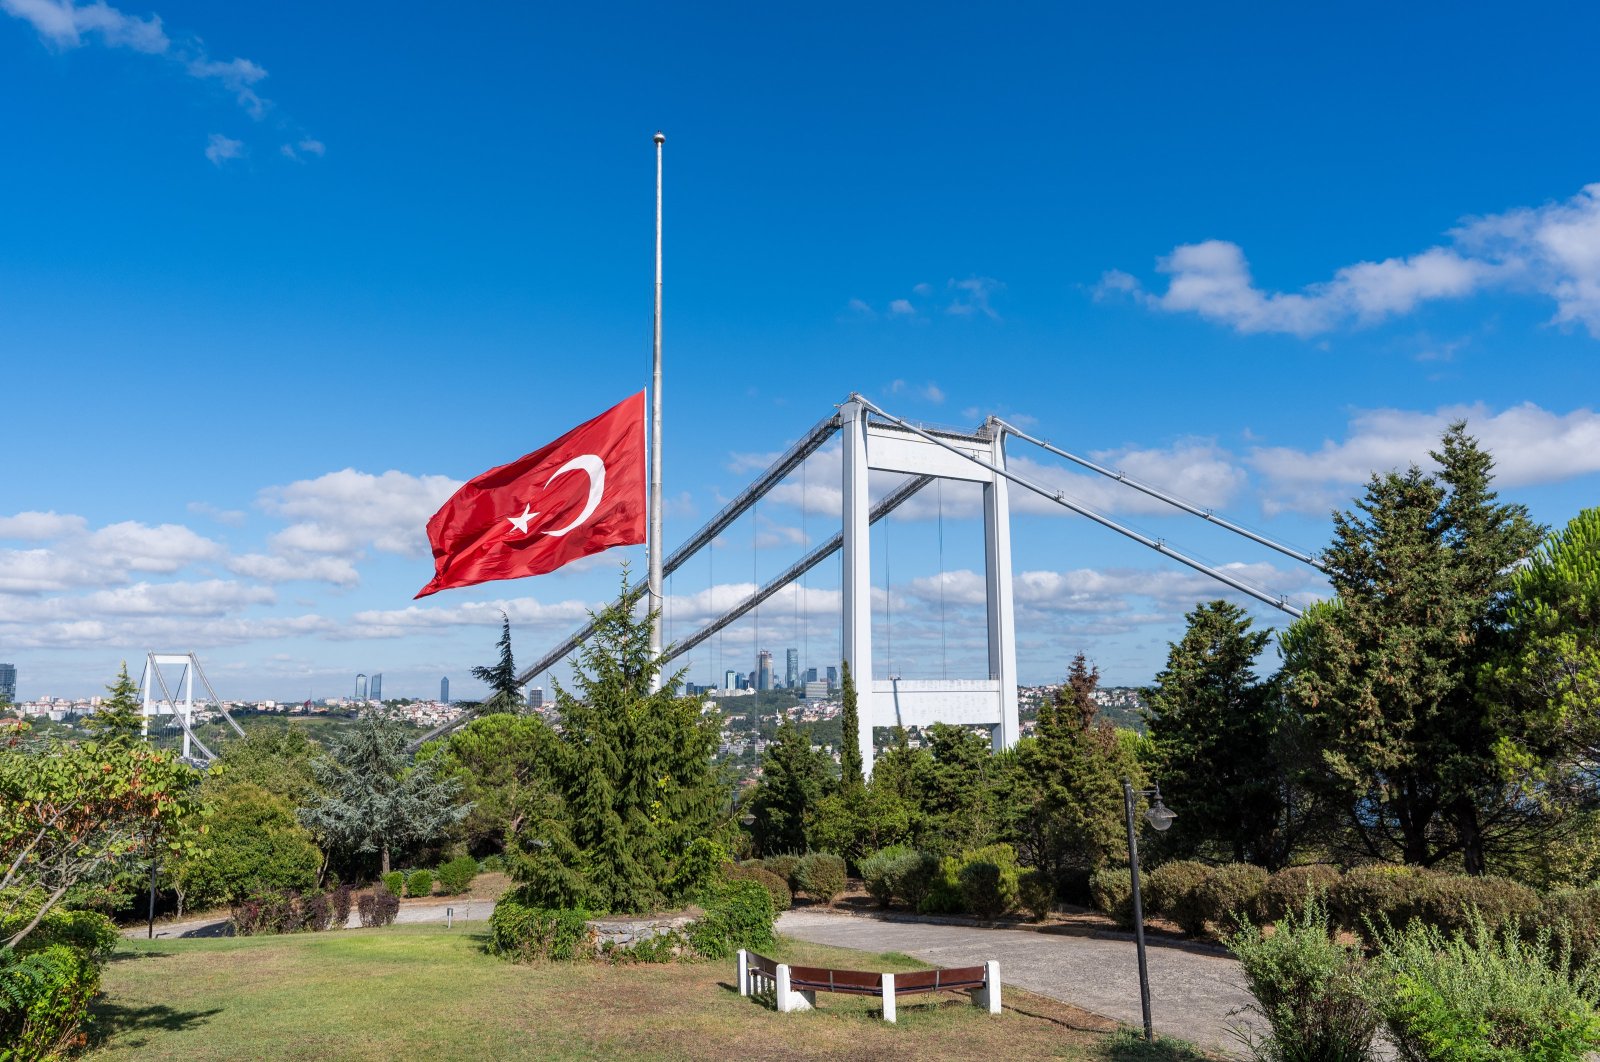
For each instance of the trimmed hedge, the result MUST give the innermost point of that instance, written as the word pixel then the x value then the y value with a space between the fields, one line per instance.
pixel 395 882
pixel 538 934
pixel 378 907
pixel 420 883
pixel 1231 892
pixel 987 879
pixel 1173 891
pixel 785 866
pixel 1036 893
pixel 737 914
pixel 89 931
pixel 1450 902
pixel 880 872
pixel 1574 914
pixel 1111 888
pixel 1378 894
pixel 1291 890
pixel 777 889
pixel 820 875
pixel 455 877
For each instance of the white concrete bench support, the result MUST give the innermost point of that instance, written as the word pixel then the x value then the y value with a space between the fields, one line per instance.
pixel 788 999
pixel 988 997
pixel 888 998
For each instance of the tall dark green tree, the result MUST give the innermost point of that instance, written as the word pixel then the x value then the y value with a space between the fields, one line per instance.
pixel 373 799
pixel 119 718
pixel 1387 674
pixel 1219 735
pixel 506 765
pixel 794 778
pixel 850 773
pixel 501 677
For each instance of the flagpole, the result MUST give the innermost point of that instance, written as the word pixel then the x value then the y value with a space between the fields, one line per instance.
pixel 655 444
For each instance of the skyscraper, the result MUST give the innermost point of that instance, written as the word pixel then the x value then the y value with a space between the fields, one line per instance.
pixel 810 675
pixel 375 687
pixel 833 677
pixel 791 669
pixel 535 697
pixel 8 683
pixel 730 680
pixel 444 690
pixel 361 687
pixel 763 670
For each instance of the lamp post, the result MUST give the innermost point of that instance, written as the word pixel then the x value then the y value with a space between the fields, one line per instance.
pixel 1159 816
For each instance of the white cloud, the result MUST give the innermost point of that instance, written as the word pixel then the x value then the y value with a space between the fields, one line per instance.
pixel 291 568
pixel 399 623
pixel 305 147
pixel 971 296
pixel 231 517
pixel 901 308
pixel 1530 445
pixel 1553 250
pixel 346 511
pixel 40 527
pixel 139 547
pixel 220 149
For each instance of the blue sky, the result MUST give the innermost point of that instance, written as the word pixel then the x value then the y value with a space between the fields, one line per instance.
pixel 274 279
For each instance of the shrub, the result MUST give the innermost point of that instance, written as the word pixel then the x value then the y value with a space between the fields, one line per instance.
pixel 1036 893
pixel 782 900
pixel 455 877
pixel 1450 900
pixel 1231 892
pixel 378 907
pixel 942 894
pixel 44 998
pixel 318 911
pixel 820 875
pixel 493 864
pixel 737 914
pixel 1482 995
pixel 1172 891
pixel 341 906
pixel 1574 914
pixel 1292 889
pixel 395 882
pixel 913 876
pixel 988 880
pixel 1111 889
pixel 1310 989
pixel 784 866
pixel 1381 893
pixel 269 912
pixel 880 870
pixel 537 934
pixel 89 931
pixel 420 883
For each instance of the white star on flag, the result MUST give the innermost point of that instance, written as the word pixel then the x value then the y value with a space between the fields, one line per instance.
pixel 521 522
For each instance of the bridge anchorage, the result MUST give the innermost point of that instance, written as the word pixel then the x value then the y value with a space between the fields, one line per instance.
pixel 876 440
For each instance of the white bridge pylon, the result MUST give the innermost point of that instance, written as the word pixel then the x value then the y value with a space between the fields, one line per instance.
pixel 876 439
pixel 182 708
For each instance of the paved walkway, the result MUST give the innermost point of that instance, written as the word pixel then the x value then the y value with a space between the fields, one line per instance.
pixel 466 910
pixel 1192 993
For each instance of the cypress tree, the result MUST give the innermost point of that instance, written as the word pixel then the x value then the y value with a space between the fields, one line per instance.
pixel 793 779
pixel 850 773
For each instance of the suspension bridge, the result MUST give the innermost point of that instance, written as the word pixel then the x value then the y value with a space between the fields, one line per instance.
pixel 876 440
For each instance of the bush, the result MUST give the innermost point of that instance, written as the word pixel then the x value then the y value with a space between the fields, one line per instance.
pixel 1172 890
pixel 988 880
pixel 1231 892
pixel 820 875
pixel 341 907
pixel 776 888
pixel 784 866
pixel 538 934
pixel 89 931
pixel 913 876
pixel 1036 893
pixel 378 907
pixel 737 914
pixel 1292 889
pixel 1310 988
pixel 494 864
pixel 880 870
pixel 1450 901
pixel 1482 995
pixel 1111 889
pixel 455 877
pixel 942 894
pixel 1574 914
pixel 1381 893
pixel 269 912
pixel 318 911
pixel 395 882
pixel 44 998
pixel 420 883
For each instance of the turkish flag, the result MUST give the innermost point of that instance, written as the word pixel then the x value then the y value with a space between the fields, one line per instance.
pixel 581 494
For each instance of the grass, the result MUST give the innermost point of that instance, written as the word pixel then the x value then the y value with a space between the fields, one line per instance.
pixel 424 991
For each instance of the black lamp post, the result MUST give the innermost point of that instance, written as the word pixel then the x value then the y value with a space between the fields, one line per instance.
pixel 1159 816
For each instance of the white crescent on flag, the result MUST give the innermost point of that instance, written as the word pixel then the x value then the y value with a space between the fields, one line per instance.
pixel 596 469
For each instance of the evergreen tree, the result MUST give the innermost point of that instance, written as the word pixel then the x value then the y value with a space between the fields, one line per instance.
pixel 850 773
pixel 501 677
pixel 793 780
pixel 1387 674
pixel 1217 733
pixel 373 799
pixel 120 717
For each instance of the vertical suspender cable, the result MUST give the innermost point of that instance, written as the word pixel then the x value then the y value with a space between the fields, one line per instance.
pixel 944 663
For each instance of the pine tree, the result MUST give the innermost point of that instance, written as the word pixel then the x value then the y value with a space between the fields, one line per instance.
pixel 373 800
pixel 119 719
pixel 793 779
pixel 1387 674
pixel 850 773
pixel 501 677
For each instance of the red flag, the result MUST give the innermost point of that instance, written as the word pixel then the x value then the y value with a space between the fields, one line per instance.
pixel 581 494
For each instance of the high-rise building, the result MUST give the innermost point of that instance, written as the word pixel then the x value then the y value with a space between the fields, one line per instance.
pixel 741 681
pixel 730 680
pixel 833 677
pixel 791 669
pixel 8 683
pixel 361 687
pixel 444 690
pixel 375 687
pixel 535 698
pixel 816 691
pixel 763 670
pixel 810 675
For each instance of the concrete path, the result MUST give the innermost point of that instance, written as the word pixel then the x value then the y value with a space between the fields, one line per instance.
pixel 465 910
pixel 1193 994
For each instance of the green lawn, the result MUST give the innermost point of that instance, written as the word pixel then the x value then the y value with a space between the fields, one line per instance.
pixel 427 992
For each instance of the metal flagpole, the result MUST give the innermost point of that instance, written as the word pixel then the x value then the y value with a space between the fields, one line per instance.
pixel 655 443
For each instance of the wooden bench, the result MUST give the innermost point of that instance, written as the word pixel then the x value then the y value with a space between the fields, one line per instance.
pixel 796 987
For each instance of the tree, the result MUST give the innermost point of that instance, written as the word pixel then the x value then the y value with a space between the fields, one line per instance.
pixel 253 842
pixel 850 773
pixel 1386 675
pixel 506 766
pixel 505 695
pixel 120 717
pixel 277 760
pixel 793 780
pixel 1219 735
pixel 373 799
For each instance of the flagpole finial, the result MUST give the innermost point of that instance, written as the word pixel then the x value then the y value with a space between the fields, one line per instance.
pixel 661 138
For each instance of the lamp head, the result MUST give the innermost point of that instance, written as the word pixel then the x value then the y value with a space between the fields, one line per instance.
pixel 1159 815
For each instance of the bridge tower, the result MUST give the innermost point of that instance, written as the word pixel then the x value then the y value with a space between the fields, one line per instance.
pixel 897 701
